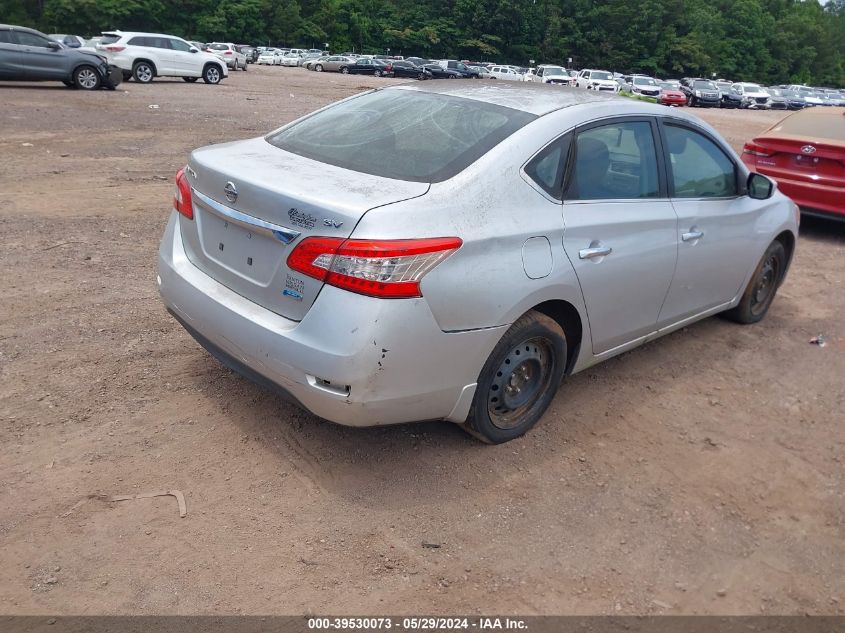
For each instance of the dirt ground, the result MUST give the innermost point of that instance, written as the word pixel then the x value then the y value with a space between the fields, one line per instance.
pixel 702 473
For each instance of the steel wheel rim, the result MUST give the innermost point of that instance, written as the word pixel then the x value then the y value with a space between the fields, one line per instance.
pixel 144 73
pixel 87 78
pixel 765 284
pixel 520 381
pixel 213 75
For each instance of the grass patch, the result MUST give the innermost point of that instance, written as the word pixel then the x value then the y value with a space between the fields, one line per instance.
pixel 631 95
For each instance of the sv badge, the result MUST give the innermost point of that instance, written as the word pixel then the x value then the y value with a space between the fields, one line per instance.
pixel 332 223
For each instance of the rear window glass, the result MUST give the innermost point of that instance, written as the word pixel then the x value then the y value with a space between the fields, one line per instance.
pixel 109 39
pixel 402 134
pixel 219 47
pixel 814 124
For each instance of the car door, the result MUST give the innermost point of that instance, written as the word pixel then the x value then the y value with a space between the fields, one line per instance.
pixel 716 222
pixel 165 56
pixel 11 66
pixel 620 228
pixel 41 58
pixel 185 62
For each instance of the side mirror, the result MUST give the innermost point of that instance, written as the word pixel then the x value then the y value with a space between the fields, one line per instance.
pixel 760 187
pixel 55 46
pixel 194 49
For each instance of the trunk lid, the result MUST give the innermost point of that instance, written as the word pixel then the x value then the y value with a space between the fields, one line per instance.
pixel 253 203
pixel 820 162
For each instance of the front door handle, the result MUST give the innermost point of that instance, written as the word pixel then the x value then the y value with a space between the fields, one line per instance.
pixel 594 251
pixel 691 236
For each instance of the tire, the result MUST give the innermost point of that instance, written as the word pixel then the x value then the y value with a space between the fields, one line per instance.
pixel 190 80
pixel 376 73
pixel 143 72
pixel 344 70
pixel 762 287
pixel 421 76
pixel 519 379
pixel 211 74
pixel 87 78
pixel 244 68
pixel 318 68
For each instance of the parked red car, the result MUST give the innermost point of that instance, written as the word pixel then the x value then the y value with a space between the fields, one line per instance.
pixel 805 154
pixel 670 95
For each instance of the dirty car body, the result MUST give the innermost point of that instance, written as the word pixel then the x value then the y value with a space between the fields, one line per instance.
pixel 370 260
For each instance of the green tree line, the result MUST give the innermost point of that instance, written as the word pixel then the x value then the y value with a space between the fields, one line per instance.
pixel 771 41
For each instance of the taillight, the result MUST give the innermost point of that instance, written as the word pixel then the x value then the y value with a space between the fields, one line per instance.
pixel 112 48
pixel 228 53
pixel 182 196
pixel 756 150
pixel 391 269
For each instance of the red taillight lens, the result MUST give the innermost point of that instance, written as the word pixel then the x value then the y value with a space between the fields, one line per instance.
pixel 113 48
pixel 756 150
pixel 228 53
pixel 182 201
pixel 391 269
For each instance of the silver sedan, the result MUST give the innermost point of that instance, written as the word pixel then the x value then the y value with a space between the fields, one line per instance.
pixel 447 251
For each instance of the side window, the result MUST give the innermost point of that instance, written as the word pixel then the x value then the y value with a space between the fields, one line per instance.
pixel 6 37
pixel 699 168
pixel 179 45
pixel 615 162
pixel 547 167
pixel 138 41
pixel 160 42
pixel 30 39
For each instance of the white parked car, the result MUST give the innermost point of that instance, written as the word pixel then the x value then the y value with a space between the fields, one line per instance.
pixel 550 74
pixel 753 96
pixel 227 52
pixel 506 73
pixel 71 41
pixel 270 57
pixel 596 80
pixel 145 56
pixel 290 59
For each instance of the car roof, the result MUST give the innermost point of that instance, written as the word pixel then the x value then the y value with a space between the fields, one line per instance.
pixel 531 97
pixel 134 33
pixel 19 28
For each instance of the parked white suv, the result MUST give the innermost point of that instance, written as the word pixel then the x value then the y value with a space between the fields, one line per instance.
pixel 230 55
pixel 550 74
pixel 144 56
pixel 596 80
pixel 505 72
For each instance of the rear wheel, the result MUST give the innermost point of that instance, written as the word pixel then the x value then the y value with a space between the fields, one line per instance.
pixel 87 78
pixel 420 76
pixel 143 72
pixel 762 287
pixel 244 68
pixel 377 73
pixel 344 70
pixel 211 74
pixel 519 379
pixel 318 68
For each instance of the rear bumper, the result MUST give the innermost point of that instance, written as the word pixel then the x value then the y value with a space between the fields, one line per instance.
pixel 353 360
pixel 810 196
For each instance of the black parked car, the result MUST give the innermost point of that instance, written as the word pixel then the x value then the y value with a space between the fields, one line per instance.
pixel 367 66
pixel 438 72
pixel 250 52
pixel 29 55
pixel 729 98
pixel 700 92
pixel 407 69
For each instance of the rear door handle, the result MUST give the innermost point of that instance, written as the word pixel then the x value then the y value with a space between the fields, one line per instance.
pixel 690 236
pixel 594 251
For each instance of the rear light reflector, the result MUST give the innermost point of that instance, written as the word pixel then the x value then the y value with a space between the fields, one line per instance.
pixel 390 269
pixel 756 150
pixel 182 201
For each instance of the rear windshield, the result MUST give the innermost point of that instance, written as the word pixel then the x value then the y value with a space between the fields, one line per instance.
pixel 219 47
pixel 109 38
pixel 814 125
pixel 402 134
